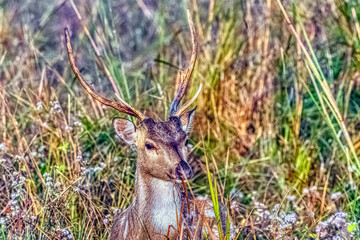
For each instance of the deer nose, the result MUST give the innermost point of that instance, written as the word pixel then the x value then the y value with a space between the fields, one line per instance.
pixel 182 169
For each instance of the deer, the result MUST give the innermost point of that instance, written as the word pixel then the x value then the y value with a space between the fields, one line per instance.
pixel 162 208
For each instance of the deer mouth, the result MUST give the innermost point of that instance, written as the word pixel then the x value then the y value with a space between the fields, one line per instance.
pixel 183 172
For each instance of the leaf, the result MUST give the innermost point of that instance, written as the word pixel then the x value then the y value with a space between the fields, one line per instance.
pixel 62 168
pixel 64 147
pixel 352 227
pixel 312 235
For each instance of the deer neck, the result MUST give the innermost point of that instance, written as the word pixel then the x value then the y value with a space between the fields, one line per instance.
pixel 157 202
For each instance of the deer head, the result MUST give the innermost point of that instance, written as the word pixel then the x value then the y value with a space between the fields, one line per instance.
pixel 162 145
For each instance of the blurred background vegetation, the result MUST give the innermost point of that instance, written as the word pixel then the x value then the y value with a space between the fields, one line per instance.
pixel 280 130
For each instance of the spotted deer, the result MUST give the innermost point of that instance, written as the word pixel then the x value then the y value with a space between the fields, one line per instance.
pixel 162 208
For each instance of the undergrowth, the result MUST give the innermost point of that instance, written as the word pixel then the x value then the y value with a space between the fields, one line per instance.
pixel 276 128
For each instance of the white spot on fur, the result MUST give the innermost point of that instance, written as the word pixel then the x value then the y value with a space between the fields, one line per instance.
pixel 122 220
pixel 126 229
pixel 232 230
pixel 209 213
pixel 215 231
pixel 202 198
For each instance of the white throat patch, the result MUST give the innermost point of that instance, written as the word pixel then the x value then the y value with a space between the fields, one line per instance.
pixel 166 206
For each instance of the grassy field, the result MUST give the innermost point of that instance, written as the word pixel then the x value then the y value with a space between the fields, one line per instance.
pixel 277 121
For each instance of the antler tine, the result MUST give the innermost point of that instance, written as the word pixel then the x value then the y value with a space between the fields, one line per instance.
pixel 188 103
pixel 122 107
pixel 185 75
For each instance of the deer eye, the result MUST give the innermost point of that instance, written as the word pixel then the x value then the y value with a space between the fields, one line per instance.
pixel 149 146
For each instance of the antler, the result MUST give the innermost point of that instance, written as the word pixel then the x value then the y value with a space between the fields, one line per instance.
pixel 185 77
pixel 122 106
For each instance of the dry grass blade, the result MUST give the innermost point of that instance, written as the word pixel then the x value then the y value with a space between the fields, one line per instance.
pixel 278 115
pixel 329 97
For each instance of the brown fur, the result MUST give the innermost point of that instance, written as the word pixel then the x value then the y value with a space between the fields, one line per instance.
pixel 158 200
pixel 154 185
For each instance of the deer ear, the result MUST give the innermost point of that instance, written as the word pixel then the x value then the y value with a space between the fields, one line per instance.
pixel 186 120
pixel 125 129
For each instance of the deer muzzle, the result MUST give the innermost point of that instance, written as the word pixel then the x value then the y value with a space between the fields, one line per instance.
pixel 183 171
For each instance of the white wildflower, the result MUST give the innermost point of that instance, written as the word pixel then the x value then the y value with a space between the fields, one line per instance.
pixel 239 194
pixel 335 196
pixel 334 225
pixel 291 198
pixel 68 128
pixel 233 205
pixel 56 107
pixel 41 148
pixel 39 106
pixel 276 208
pixel 97 168
pixel 236 193
pixel 12 202
pixel 259 205
pixel 49 184
pixel 290 218
pixel 116 211
pixel 2 147
pixel 14 195
pixel 77 123
pixel 79 158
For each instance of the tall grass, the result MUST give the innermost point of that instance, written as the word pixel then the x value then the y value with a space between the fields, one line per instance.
pixel 276 132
